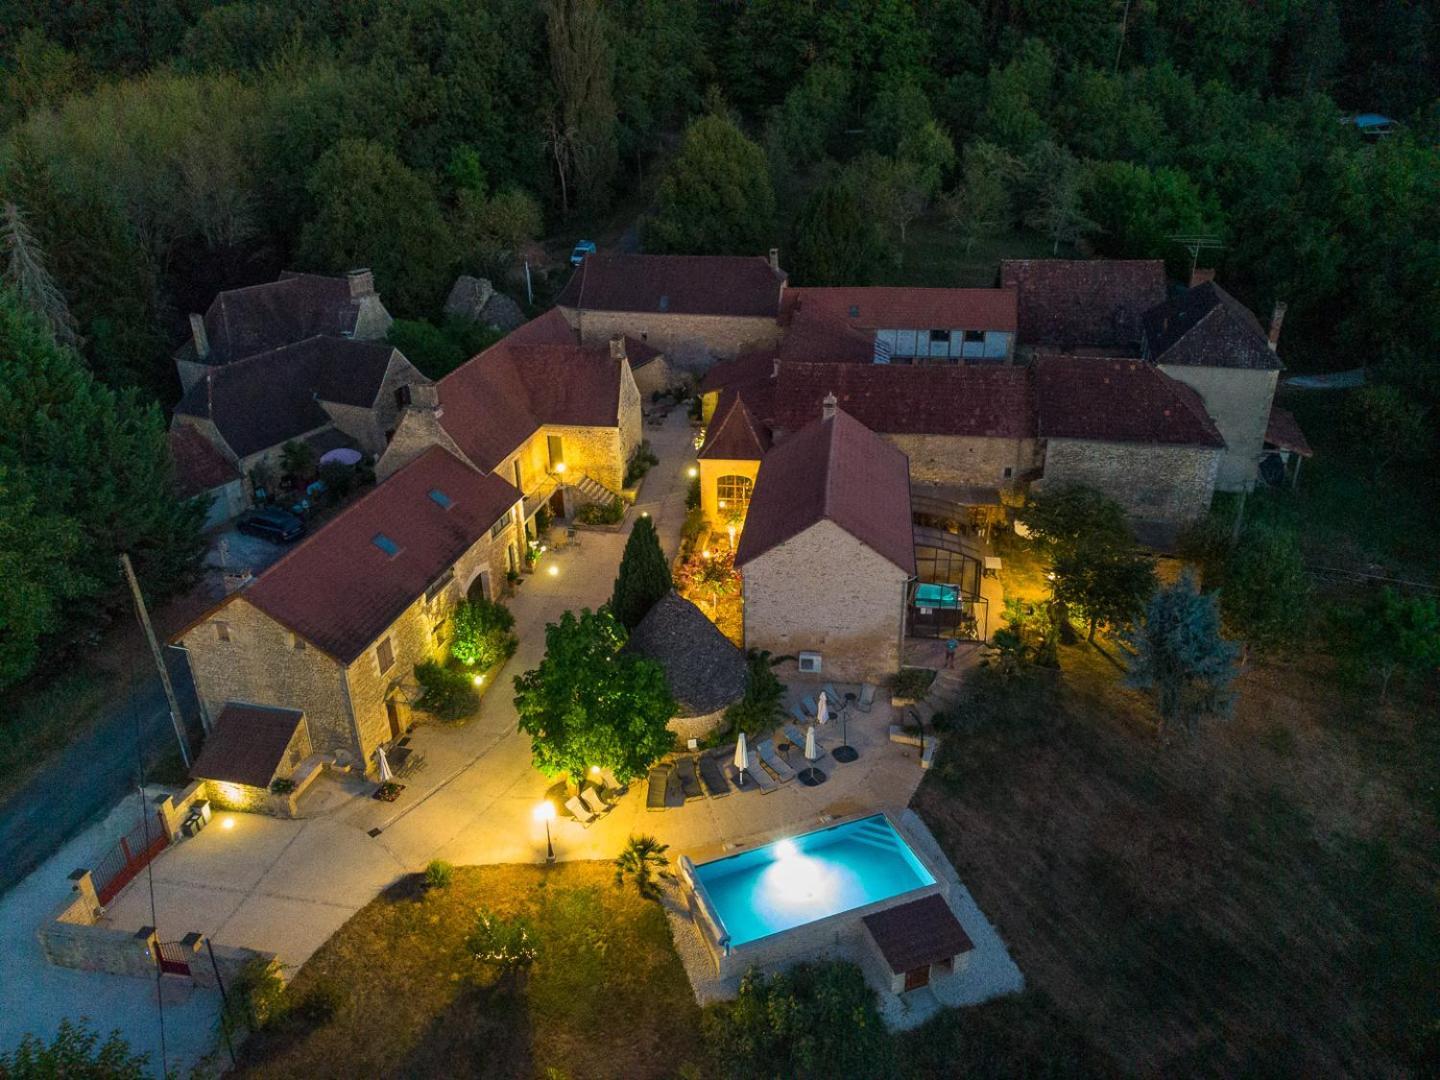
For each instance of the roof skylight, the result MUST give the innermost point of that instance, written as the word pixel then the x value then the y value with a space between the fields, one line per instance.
pixel 385 544
pixel 440 499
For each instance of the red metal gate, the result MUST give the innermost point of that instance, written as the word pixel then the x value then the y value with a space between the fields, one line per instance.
pixel 174 960
pixel 127 858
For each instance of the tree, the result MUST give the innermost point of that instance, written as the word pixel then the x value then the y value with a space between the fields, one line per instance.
pixel 483 633
pixel 981 206
pixel 1018 98
pixel 802 129
pixel 76 1051
pixel 298 460
pixel 892 193
pixel 27 277
pixel 439 350
pixel 588 703
pixel 1137 210
pixel 1265 596
pixel 1399 635
pixel 644 575
pixel 1386 426
pixel 582 124
pixel 370 210
pixel 1072 516
pixel 716 197
pixel 1109 581
pixel 1181 659
pixel 1058 209
pixel 490 231
pixel 641 859
pixel 36 574
pixel 658 71
pixel 835 243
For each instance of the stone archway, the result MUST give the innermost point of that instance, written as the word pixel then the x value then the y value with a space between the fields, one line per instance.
pixel 478 587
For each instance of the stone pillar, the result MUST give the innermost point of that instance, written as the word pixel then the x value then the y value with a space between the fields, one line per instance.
pixel 149 940
pixel 84 883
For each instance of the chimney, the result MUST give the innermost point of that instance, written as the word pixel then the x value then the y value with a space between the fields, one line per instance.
pixel 425 398
pixel 1200 276
pixel 827 407
pixel 775 369
pixel 362 283
pixel 1276 320
pixel 617 348
pixel 775 259
pixel 201 338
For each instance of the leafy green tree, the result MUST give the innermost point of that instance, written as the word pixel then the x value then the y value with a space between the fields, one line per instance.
pixel 1058 209
pixel 36 574
pixel 1181 659
pixel 1386 426
pixel 38 75
pixel 447 694
pixel 1018 99
pixel 1109 581
pixel 716 197
pixel 835 243
pixel 641 859
pixel 588 703
pixel 438 350
pixel 582 126
pixel 1137 210
pixel 483 633
pixel 804 127
pixel 1398 635
pixel 982 205
pixel 1266 595
pixel 644 575
pixel 370 210
pixel 26 274
pixel 812 1022
pixel 298 459
pixel 892 193
pixel 490 232
pixel 1074 516
pixel 660 64
pixel 897 111
pixel 76 1051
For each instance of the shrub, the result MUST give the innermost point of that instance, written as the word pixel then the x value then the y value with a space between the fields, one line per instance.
pixel 642 858
pixel 483 633
pixel 692 494
pixel 448 694
pixel 340 480
pixel 439 874
pixel 504 943
pixel 696 525
pixel 601 513
pixel 911 682
pixel 640 463
pixel 75 1051
pixel 760 706
pixel 257 998
pixel 282 786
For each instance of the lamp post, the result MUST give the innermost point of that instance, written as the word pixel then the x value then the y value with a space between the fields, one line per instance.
pixel 545 812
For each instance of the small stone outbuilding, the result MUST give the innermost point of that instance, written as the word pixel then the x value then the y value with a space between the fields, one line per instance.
pixel 704 671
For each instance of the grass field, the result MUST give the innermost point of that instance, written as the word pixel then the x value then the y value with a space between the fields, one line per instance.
pixel 934 256
pixel 606 996
pixel 1255 900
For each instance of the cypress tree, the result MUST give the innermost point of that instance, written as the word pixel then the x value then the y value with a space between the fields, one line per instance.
pixel 644 575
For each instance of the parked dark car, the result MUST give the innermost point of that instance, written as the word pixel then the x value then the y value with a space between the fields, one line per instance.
pixel 271 523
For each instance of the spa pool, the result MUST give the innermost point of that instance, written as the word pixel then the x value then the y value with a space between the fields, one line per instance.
pixel 811 876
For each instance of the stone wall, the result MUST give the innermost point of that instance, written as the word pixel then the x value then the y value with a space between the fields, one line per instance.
pixel 825 591
pixel 629 419
pixel 696 727
pixel 1238 400
pixel 1168 485
pixel 400 372
pixel 596 452
pixel 654 377
pixel 417 431
pixel 360 424
pixel 260 665
pixel 956 460
pixel 724 336
pixel 99 948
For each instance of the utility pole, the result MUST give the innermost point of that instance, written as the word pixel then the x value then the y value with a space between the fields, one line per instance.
pixel 144 617
pixel 1124 19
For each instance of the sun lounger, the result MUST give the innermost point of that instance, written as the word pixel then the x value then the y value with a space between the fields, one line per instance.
pixel 867 697
pixel 612 783
pixel 689 783
pixel 833 698
pixel 809 702
pixel 756 778
pixel 655 790
pixel 798 738
pixel 799 714
pixel 765 748
pixel 591 798
pixel 579 809
pixel 713 779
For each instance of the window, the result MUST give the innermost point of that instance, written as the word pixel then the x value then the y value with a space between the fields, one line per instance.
pixel 556 446
pixel 940 337
pixel 904 342
pixel 501 525
pixel 519 480
pixel 440 499
pixel 854 311
pixel 733 494
pixel 385 655
pixel 402 396
pixel 439 585
pixel 997 344
pixel 385 544
pixel 1008 472
pixel 974 343
pixel 222 631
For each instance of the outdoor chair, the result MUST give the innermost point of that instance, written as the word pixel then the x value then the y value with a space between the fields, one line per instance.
pixel 867 697
pixel 756 778
pixel 833 699
pixel 655 790
pixel 713 779
pixel 798 738
pixel 765 748
pixel 612 783
pixel 580 810
pixel 591 798
pixel 689 783
pixel 799 714
pixel 809 703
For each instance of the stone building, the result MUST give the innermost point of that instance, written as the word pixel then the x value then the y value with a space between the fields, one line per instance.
pixel 1090 305
pixel 202 470
pixel 827 553
pixel 335 628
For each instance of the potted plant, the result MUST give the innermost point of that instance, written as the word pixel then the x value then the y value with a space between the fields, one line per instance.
pixel 389 791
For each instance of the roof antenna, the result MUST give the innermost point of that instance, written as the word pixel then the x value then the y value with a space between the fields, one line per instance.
pixel 1195 244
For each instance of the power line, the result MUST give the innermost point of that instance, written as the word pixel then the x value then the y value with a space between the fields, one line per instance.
pixel 150 864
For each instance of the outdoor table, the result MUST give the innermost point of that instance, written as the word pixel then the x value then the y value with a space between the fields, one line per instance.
pixel 845 752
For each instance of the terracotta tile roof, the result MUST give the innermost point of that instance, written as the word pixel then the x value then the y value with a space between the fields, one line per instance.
pixel 1207 327
pixel 198 465
pixel 1109 399
pixel 833 469
pixel 985 400
pixel 734 434
pixel 242 322
pixel 1283 432
pixel 905 308
pixel 340 591
pixel 1077 303
pixel 639 353
pixel 746 368
pixel 247 744
pixel 274 396
pixel 918 934
pixel 736 285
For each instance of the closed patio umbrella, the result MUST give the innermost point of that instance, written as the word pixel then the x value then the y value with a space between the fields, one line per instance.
pixel 742 757
pixel 822 708
pixel 386 776
pixel 812 753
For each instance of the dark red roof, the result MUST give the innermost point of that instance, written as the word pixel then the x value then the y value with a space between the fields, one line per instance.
pixel 905 308
pixel 918 934
pixel 340 591
pixel 1072 303
pixel 1108 399
pixel 638 352
pixel 242 322
pixel 274 396
pixel 734 435
pixel 985 400
pixel 1207 327
pixel 746 368
pixel 247 744
pixel 199 466
pixel 676 285
pixel 1283 432
pixel 833 469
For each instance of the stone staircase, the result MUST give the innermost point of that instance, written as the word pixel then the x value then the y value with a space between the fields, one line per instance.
pixel 591 491
pixel 944 692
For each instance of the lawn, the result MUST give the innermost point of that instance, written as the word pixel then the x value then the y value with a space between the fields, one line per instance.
pixel 41 718
pixel 606 996
pixel 935 256
pixel 1258 899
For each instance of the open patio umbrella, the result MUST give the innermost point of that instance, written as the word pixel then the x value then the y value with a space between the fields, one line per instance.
pixel 385 774
pixel 822 708
pixel 742 757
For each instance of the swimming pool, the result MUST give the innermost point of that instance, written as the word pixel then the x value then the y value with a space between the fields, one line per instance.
pixel 811 876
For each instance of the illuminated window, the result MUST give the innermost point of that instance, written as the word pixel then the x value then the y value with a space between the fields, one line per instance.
pixel 733 493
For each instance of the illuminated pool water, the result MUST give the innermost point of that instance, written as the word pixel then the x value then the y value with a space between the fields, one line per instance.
pixel 803 878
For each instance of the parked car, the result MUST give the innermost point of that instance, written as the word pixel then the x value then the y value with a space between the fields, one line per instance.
pixel 583 248
pixel 271 523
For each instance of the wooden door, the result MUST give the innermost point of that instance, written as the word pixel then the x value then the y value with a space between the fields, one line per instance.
pixel 914 980
pixel 392 713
